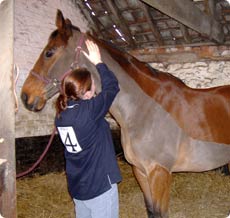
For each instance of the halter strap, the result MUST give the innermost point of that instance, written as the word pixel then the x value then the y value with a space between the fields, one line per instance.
pixel 77 55
pixel 54 85
pixel 40 77
pixel 78 49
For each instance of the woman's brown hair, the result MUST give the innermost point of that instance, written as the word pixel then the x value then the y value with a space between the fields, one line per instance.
pixel 73 87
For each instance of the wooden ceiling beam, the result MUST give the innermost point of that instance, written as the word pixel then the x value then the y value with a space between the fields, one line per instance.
pixel 181 54
pixel 93 21
pixel 121 22
pixel 210 7
pixel 152 24
pixel 185 33
pixel 190 15
pixel 213 9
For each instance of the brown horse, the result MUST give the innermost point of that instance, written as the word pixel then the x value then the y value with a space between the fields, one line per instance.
pixel 166 126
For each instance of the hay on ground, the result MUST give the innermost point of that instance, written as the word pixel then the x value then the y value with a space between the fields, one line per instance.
pixel 193 195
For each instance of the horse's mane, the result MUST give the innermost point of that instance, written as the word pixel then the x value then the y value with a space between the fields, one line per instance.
pixel 123 58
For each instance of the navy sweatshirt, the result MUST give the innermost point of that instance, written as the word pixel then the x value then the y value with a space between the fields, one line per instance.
pixel 91 164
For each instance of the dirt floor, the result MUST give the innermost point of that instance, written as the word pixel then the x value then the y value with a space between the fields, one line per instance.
pixel 193 195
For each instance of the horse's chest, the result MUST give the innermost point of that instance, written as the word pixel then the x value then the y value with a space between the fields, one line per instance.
pixel 152 134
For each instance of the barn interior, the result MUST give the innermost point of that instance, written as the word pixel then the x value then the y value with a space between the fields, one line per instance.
pixel 156 32
pixel 148 29
pixel 171 36
pixel 161 31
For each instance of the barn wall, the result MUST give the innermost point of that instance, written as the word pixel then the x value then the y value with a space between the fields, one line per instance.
pixel 34 21
pixel 199 74
pixel 7 111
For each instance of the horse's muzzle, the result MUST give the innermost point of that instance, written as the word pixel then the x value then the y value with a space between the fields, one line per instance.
pixel 31 106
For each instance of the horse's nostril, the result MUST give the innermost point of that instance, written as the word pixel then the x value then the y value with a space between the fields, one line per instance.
pixel 24 98
pixel 34 105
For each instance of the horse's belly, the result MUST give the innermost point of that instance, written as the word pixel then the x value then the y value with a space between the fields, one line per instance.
pixel 198 156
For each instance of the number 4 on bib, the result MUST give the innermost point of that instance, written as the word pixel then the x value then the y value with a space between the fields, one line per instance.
pixel 69 139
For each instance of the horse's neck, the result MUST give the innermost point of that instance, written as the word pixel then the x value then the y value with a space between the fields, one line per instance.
pixel 130 96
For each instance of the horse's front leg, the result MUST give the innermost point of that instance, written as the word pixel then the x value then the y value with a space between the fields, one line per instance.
pixel 156 188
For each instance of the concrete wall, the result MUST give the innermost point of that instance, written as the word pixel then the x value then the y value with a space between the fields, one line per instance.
pixel 34 20
pixel 199 74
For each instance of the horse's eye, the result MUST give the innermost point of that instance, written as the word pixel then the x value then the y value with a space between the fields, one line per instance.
pixel 50 53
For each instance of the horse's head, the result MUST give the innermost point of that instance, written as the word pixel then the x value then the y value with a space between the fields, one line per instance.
pixel 56 58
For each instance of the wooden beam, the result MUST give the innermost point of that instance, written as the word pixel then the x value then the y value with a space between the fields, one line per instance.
pixel 7 112
pixel 210 7
pixel 93 20
pixel 185 33
pixel 181 54
pixel 188 14
pixel 121 22
pixel 211 4
pixel 152 24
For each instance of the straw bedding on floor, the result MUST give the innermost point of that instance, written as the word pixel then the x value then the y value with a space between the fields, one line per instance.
pixel 193 195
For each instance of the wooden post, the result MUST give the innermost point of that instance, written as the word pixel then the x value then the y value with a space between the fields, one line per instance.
pixel 7 113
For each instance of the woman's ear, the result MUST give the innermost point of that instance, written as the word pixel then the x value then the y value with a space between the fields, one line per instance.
pixel 88 95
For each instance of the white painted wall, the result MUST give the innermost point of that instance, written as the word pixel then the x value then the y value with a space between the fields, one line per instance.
pixel 35 19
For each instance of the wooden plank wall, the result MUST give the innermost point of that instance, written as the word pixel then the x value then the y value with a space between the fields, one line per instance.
pixel 7 113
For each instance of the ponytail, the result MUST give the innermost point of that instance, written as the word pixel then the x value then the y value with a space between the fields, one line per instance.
pixel 61 104
pixel 73 87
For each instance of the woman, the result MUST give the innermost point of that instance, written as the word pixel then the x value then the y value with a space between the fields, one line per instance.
pixel 91 167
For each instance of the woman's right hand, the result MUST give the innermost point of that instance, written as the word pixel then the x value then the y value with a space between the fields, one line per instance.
pixel 94 53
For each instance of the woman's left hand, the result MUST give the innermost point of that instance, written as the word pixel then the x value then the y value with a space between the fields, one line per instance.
pixel 94 53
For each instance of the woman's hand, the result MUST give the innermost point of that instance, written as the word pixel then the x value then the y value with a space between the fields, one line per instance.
pixel 94 54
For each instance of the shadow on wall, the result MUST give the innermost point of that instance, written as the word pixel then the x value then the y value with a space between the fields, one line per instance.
pixel 29 149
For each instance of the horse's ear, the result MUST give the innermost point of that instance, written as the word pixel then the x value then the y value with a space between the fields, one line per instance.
pixel 68 27
pixel 64 26
pixel 68 22
pixel 60 22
